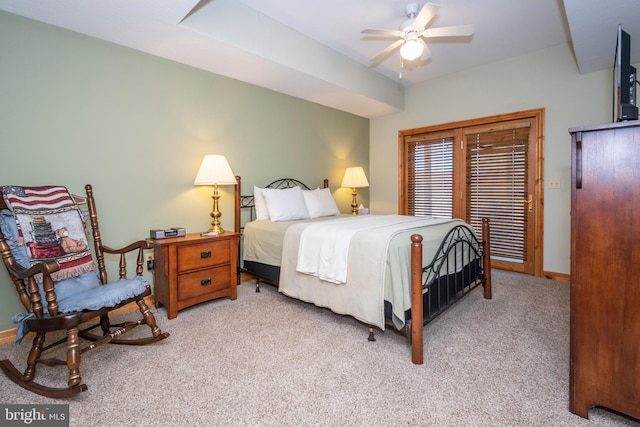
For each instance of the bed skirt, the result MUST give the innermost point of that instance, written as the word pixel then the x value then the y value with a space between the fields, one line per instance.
pixel 443 292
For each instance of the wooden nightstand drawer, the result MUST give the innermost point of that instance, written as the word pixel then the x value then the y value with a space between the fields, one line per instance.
pixel 202 282
pixel 203 255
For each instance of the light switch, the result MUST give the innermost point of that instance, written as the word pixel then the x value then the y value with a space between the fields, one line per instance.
pixel 554 183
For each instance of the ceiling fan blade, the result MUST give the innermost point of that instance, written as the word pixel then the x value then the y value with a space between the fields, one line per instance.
pixel 386 51
pixel 457 31
pixel 425 15
pixel 385 32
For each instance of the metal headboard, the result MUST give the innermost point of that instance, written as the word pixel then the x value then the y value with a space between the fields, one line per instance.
pixel 248 202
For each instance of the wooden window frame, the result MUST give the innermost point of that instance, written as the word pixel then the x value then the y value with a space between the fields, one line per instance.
pixel 457 128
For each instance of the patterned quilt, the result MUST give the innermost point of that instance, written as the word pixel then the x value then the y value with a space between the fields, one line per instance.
pixel 50 226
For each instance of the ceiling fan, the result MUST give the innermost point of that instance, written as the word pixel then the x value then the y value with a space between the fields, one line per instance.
pixel 414 31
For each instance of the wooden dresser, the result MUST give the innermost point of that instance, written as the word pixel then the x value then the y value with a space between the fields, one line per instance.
pixel 605 269
pixel 193 269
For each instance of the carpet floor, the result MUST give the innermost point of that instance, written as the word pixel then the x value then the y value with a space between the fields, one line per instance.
pixel 268 360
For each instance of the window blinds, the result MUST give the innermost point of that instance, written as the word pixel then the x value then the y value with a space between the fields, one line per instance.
pixel 496 163
pixel 430 177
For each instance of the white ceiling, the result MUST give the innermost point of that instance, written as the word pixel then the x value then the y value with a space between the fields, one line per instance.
pixel 314 50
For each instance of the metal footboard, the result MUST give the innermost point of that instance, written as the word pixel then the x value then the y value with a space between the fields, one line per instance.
pixel 461 264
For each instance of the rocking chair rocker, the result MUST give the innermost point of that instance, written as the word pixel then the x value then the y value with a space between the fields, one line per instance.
pixel 43 243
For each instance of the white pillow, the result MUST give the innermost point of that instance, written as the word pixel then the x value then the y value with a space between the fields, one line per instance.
pixel 320 203
pixel 260 204
pixel 286 204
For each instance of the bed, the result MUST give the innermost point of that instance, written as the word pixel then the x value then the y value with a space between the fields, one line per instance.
pixel 384 270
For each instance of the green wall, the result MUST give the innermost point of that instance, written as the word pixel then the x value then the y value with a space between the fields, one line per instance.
pixel 77 110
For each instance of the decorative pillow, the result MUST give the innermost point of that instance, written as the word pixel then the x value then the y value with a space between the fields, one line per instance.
pixel 320 203
pixel 260 204
pixel 286 204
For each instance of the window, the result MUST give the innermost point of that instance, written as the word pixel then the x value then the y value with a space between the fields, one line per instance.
pixel 430 177
pixel 497 187
pixel 481 168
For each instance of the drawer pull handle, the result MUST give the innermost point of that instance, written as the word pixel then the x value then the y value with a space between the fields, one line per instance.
pixel 205 282
pixel 206 254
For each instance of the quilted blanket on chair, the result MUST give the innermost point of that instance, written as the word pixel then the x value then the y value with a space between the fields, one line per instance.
pixel 50 226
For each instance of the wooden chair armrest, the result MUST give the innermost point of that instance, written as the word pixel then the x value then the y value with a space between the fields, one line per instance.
pixel 33 300
pixel 140 244
pixel 44 267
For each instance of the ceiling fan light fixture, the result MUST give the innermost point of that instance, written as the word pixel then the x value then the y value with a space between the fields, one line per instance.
pixel 411 50
pixel 414 33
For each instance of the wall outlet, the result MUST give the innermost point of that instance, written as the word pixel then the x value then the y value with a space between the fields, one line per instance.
pixel 150 263
pixel 554 183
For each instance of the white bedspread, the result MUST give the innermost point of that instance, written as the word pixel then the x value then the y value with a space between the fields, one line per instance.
pixel 324 247
pixel 362 294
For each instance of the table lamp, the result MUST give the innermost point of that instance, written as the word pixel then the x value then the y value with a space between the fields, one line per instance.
pixel 215 170
pixel 354 177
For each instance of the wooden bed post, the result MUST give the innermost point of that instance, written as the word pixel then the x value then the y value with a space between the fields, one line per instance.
pixel 236 227
pixel 486 260
pixel 416 299
pixel 236 215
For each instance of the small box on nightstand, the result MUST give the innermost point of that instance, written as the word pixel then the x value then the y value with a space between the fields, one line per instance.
pixel 170 232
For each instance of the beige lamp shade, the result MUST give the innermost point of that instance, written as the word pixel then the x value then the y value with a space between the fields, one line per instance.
pixel 354 178
pixel 215 170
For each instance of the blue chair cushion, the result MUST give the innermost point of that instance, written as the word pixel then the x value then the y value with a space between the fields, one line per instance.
pixel 80 295
pixel 9 228
pixel 85 293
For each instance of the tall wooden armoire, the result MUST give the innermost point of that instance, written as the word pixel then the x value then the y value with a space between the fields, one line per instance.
pixel 605 269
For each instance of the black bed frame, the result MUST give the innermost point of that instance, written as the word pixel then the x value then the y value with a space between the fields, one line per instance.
pixel 432 292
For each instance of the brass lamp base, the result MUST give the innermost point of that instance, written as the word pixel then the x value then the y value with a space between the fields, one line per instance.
pixel 354 203
pixel 216 228
pixel 215 213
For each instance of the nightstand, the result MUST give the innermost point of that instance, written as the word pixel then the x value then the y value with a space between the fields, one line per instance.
pixel 193 269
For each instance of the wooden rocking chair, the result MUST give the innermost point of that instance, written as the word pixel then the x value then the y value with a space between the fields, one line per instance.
pixel 58 284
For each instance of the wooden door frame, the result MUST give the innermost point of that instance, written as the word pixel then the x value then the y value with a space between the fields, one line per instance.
pixel 536 115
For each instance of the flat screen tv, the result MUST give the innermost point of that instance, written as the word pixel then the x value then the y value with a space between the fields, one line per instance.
pixel 624 80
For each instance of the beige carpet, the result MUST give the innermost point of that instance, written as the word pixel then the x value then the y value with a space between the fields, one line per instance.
pixel 267 360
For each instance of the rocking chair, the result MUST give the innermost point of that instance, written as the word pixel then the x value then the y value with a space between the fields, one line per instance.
pixel 43 243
